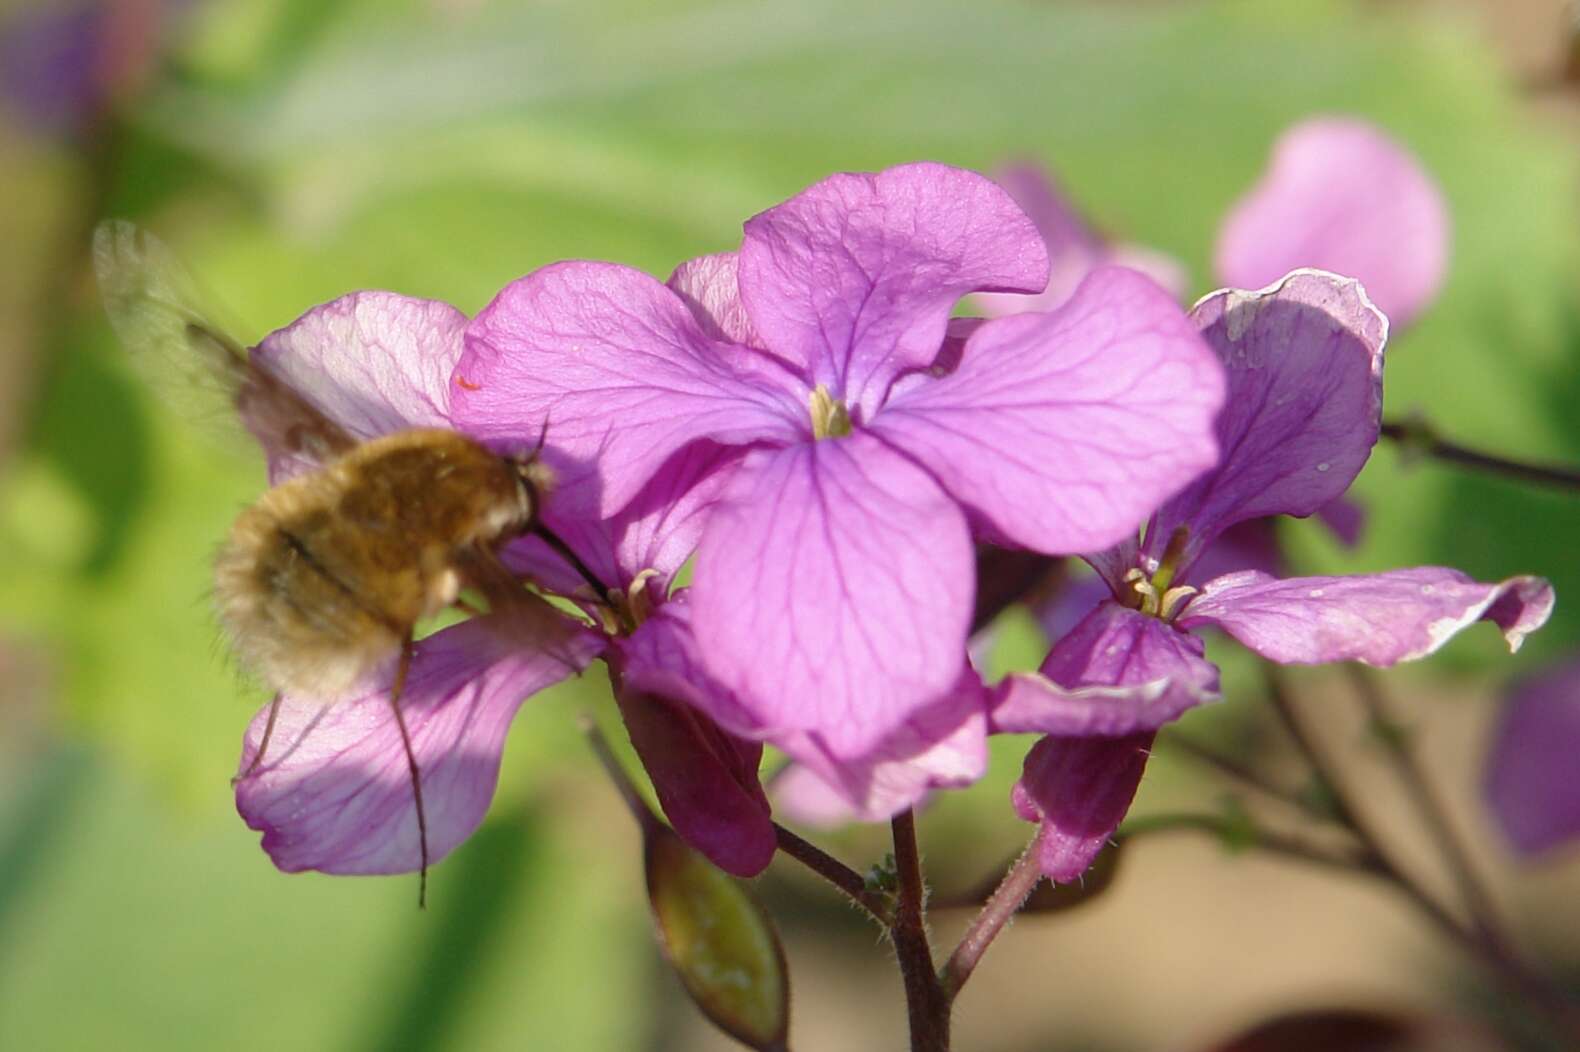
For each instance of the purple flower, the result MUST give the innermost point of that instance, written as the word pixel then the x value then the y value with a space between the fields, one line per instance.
pixel 864 450
pixel 1304 360
pixel 1530 778
pixel 1342 196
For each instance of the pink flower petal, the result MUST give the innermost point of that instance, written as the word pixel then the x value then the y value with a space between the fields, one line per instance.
pixel 854 277
pixel 1074 249
pixel 656 532
pixel 1342 196
pixel 1530 779
pixel 1080 790
pixel 334 793
pixel 942 747
pixel 709 287
pixel 618 375
pixel 706 781
pixel 1118 672
pixel 833 590
pixel 1061 432
pixel 1381 619
pixel 372 362
pixel 1304 360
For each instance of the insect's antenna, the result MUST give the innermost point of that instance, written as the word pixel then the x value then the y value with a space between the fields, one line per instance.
pixel 411 764
pixel 543 437
pixel 263 745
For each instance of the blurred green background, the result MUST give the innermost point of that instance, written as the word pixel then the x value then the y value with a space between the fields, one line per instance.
pixel 292 150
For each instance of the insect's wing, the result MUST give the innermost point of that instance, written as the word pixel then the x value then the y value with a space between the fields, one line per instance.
pixel 154 306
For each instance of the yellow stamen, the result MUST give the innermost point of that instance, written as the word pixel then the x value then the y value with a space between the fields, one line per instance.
pixel 830 418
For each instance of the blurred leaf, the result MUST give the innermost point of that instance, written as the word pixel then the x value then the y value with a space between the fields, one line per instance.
pixel 720 941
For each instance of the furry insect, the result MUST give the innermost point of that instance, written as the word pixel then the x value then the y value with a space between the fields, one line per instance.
pixel 321 582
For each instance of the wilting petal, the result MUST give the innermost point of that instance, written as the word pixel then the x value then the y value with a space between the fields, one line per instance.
pixel 372 362
pixel 942 747
pixel 708 286
pixel 854 277
pixel 1531 781
pixel 833 590
pixel 1304 360
pixel 1079 789
pixel 1380 619
pixel 333 792
pixel 1116 673
pixel 1341 195
pixel 1074 249
pixel 612 369
pixel 1060 432
pixel 706 781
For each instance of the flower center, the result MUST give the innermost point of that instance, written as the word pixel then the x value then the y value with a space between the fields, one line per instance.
pixel 1154 596
pixel 830 418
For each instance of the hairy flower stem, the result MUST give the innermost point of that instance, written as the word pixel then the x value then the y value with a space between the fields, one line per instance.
pixel 1018 884
pixel 925 1001
pixel 1419 437
pixel 1478 900
pixel 1490 948
pixel 835 872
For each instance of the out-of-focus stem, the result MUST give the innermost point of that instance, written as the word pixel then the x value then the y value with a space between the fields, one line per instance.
pixel 1417 436
pixel 1258 839
pixel 1239 772
pixel 1487 947
pixel 1478 900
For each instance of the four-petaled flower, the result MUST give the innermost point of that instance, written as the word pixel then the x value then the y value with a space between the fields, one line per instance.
pixel 869 441
pixel 1304 360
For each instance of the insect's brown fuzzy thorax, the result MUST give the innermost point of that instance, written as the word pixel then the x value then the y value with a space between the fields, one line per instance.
pixel 322 579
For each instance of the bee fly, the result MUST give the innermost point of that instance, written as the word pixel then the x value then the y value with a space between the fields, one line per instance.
pixel 321 582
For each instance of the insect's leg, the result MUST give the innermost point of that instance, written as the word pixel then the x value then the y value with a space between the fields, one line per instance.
pixel 399 685
pixel 263 745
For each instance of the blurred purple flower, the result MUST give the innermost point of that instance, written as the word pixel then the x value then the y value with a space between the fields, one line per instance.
pixel 61 65
pixel 864 448
pixel 1342 196
pixel 1531 784
pixel 1074 248
pixel 1304 359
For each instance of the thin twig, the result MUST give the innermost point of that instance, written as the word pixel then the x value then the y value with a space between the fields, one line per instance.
pixel 1493 952
pixel 834 871
pixel 1420 437
pixel 1478 900
pixel 1018 884
pixel 1239 772
pixel 925 1002
pixel 1253 837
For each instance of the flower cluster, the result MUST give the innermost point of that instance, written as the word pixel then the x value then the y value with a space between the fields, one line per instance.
pixel 804 417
